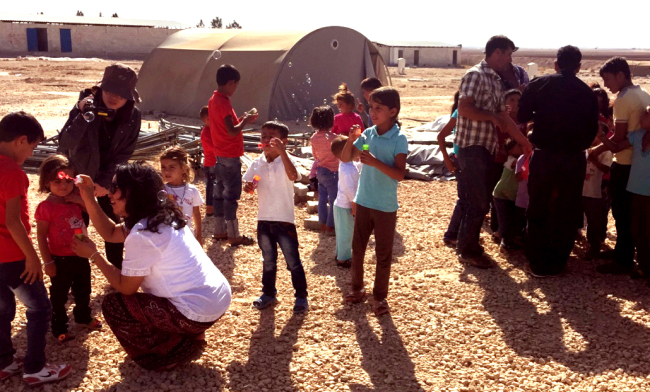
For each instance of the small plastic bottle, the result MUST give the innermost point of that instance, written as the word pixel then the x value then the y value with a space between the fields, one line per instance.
pixel 256 180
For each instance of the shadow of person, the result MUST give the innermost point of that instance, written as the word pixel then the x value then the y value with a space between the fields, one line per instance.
pixel 223 256
pixel 73 353
pixel 385 359
pixel 188 377
pixel 575 319
pixel 269 358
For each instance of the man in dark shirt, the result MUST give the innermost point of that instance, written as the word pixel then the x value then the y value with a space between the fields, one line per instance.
pixel 565 113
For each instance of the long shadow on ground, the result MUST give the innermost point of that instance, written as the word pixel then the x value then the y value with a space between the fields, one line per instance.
pixel 578 322
pixel 385 358
pixel 269 358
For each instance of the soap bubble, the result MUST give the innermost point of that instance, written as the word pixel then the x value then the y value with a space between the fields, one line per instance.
pixel 305 118
pixel 324 101
pixel 216 54
pixel 307 76
pixel 89 116
pixel 293 95
pixel 162 196
pixel 304 112
pixel 275 119
pixel 309 80
pixel 290 64
pixel 297 121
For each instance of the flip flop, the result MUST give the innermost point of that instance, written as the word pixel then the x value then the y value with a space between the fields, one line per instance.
pixel 381 307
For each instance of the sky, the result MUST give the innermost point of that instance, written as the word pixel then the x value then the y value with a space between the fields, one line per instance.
pixel 548 24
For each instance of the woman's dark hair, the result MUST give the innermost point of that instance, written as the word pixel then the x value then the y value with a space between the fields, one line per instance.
pixel 142 188
pixel 50 168
pixel 387 96
pixel 455 105
pixel 344 95
pixel 123 114
pixel 322 117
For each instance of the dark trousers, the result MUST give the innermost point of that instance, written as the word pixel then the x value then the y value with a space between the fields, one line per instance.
pixel 269 236
pixel 383 224
pixel 459 208
pixel 497 171
pixel 641 231
pixel 593 208
pixel 114 250
pixel 72 272
pixel 520 223
pixel 475 182
pixel 555 208
pixel 209 185
pixel 34 297
pixel 506 216
pixel 227 187
pixel 607 205
pixel 622 212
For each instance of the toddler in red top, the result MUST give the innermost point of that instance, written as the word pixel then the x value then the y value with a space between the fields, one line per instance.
pixel 21 273
pixel 226 130
pixel 58 220
pixel 347 119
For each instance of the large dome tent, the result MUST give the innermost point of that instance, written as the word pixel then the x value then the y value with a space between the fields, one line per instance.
pixel 285 74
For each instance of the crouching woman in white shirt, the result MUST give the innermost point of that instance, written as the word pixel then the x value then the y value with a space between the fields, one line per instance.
pixel 183 292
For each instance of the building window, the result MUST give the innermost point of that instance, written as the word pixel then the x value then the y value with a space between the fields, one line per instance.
pixel 400 54
pixel 416 58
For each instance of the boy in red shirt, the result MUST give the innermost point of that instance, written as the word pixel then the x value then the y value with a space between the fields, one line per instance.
pixel 228 141
pixel 21 273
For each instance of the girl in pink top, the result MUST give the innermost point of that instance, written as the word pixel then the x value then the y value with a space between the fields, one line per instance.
pixel 322 120
pixel 347 119
pixel 58 219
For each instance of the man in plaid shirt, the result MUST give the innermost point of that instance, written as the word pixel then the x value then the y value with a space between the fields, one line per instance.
pixel 481 110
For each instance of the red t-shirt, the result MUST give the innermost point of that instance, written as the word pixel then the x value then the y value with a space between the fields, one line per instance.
pixel 63 218
pixel 209 159
pixel 13 182
pixel 225 146
pixel 344 121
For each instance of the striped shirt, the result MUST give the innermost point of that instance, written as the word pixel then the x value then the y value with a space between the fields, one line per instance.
pixel 484 85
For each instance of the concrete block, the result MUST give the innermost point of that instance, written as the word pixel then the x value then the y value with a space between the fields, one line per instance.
pixel 312 223
pixel 312 207
pixel 300 189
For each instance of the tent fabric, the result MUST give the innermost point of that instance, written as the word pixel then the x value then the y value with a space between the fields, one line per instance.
pixel 285 74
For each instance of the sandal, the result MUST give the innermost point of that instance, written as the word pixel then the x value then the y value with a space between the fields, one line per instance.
pixel 301 305
pixel 344 263
pixel 65 337
pixel 242 241
pixel 94 325
pixel 355 297
pixel 380 307
pixel 264 302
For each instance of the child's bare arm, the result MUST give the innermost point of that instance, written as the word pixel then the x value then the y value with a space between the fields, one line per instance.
pixel 42 227
pixel 33 269
pixel 289 168
pixel 348 149
pixel 234 130
pixel 442 135
pixel 396 172
pixel 198 230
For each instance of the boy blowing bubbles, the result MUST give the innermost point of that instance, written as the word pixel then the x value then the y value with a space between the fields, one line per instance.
pixel 275 173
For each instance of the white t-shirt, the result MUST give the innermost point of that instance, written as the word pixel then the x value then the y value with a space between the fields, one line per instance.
pixel 594 177
pixel 175 267
pixel 274 190
pixel 348 183
pixel 187 197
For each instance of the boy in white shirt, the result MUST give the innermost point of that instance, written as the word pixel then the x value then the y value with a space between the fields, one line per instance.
pixel 344 207
pixel 276 174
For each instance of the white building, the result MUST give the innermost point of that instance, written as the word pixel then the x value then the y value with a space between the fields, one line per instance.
pixel 420 54
pixel 82 36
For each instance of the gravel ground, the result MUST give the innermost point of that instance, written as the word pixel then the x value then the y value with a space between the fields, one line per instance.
pixel 451 328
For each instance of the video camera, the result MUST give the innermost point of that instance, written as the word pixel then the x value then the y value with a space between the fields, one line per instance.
pixel 90 111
